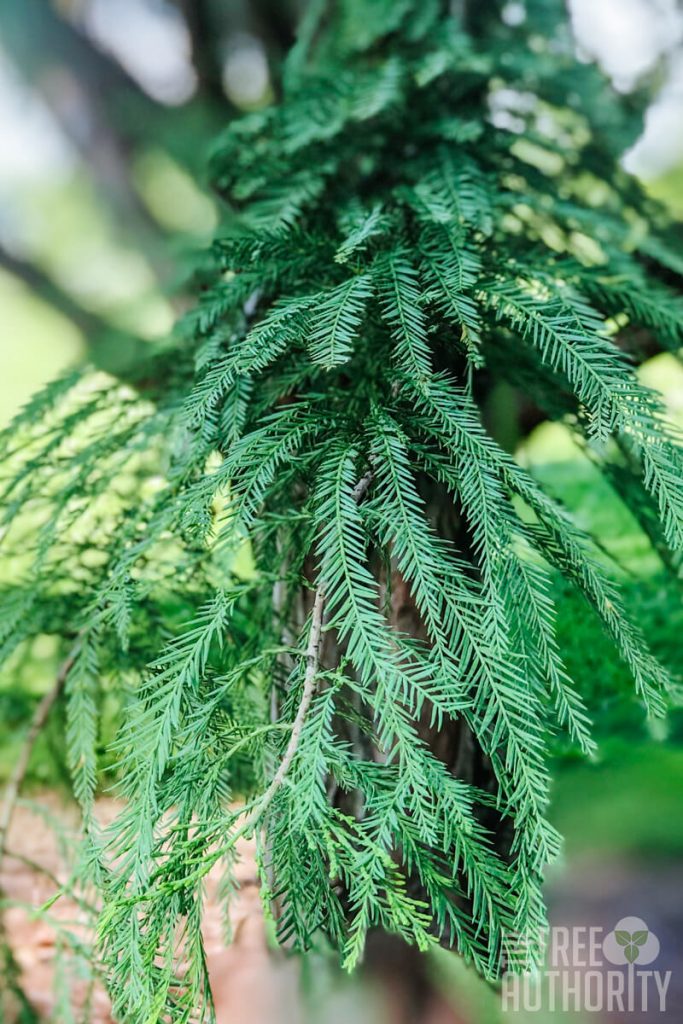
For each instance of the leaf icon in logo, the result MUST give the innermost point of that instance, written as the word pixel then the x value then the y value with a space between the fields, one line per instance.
pixel 631 940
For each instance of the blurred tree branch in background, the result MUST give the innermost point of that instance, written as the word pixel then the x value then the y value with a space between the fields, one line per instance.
pixel 109 348
pixel 110 120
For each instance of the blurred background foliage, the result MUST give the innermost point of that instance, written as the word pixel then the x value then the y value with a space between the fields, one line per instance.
pixel 107 110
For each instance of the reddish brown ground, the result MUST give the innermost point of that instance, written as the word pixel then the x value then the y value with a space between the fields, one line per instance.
pixel 251 984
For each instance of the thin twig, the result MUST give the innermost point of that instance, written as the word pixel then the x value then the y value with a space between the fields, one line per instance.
pixel 310 680
pixel 62 887
pixel 38 721
pixel 12 794
pixel 360 490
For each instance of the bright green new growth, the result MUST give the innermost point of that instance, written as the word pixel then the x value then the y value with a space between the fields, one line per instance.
pixel 392 250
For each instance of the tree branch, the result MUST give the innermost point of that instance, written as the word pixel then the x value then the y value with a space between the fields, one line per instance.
pixel 38 38
pixel 312 658
pixel 310 679
pixel 48 290
pixel 205 44
pixel 109 348
pixel 100 108
pixel 362 486
pixel 38 721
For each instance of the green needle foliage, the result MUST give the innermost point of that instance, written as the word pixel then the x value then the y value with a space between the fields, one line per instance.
pixel 290 547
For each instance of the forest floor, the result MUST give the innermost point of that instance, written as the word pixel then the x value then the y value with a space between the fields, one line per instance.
pixel 248 984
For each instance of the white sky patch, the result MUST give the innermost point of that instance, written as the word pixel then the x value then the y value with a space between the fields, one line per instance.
pixel 32 145
pixel 660 147
pixel 33 150
pixel 150 39
pixel 626 36
pixel 245 70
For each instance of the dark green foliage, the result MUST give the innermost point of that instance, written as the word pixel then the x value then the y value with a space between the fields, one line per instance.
pixel 391 250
